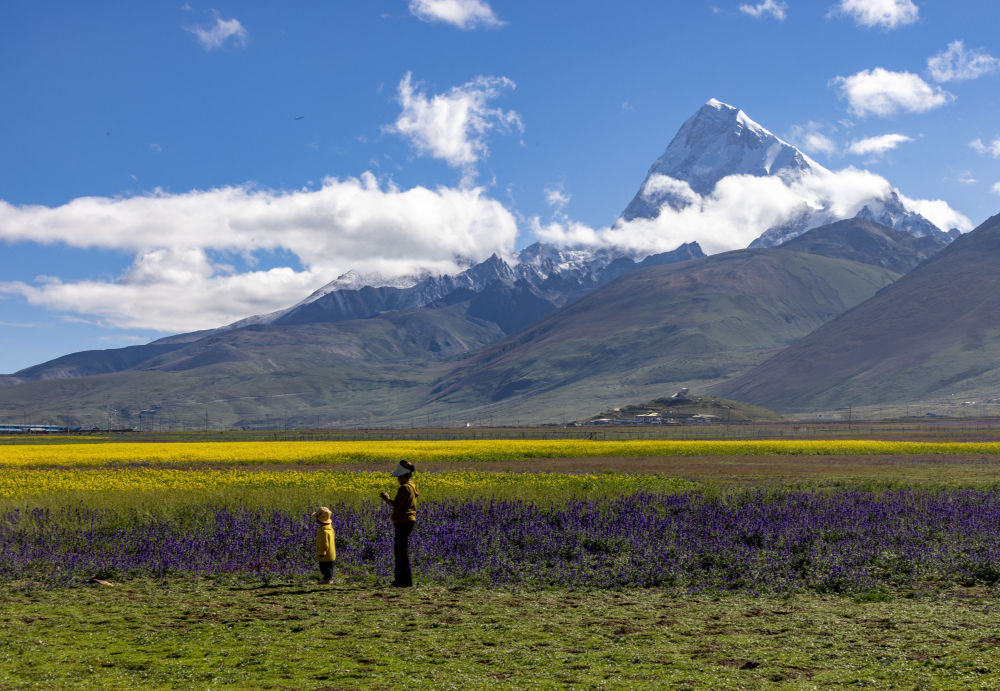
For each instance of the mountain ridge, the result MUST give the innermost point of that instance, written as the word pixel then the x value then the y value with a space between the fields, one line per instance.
pixel 934 332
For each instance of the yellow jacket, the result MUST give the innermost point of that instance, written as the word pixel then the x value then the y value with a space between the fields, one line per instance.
pixel 404 506
pixel 326 550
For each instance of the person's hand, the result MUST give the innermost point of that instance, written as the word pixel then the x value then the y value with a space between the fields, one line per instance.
pixel 385 496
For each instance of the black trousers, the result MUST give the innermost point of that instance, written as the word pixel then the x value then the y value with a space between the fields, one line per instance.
pixel 326 568
pixel 401 551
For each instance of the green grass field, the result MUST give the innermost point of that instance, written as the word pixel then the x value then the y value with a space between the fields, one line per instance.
pixel 292 633
pixel 216 634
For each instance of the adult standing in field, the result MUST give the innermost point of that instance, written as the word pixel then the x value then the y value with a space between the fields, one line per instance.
pixel 404 517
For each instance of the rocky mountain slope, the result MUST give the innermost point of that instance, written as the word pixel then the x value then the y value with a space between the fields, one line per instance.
pixel 655 329
pixel 868 242
pixel 932 334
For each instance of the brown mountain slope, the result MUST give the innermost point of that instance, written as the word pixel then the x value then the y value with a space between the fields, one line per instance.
pixel 639 336
pixel 934 332
pixel 868 242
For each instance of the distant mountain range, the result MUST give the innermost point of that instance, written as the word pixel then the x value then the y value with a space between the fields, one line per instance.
pixel 658 328
pixel 492 295
pixel 558 333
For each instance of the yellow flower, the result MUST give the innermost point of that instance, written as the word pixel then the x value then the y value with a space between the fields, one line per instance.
pixel 191 454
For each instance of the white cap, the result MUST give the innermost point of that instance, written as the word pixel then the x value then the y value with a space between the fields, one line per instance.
pixel 402 470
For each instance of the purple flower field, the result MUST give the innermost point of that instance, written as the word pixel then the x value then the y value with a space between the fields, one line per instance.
pixel 763 542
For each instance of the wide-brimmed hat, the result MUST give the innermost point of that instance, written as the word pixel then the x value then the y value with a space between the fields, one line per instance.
pixel 323 514
pixel 404 468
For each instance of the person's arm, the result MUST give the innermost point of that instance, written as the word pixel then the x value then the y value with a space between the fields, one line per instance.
pixel 402 499
pixel 386 499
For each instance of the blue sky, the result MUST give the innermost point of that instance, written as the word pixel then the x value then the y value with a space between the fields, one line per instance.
pixel 175 166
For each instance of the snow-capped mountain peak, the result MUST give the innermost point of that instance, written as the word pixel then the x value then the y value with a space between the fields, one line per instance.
pixel 720 140
pixel 717 141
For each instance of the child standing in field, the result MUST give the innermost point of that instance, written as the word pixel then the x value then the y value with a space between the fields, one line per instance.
pixel 326 550
pixel 404 517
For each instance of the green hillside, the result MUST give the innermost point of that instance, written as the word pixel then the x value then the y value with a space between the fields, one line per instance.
pixel 933 334
pixel 350 373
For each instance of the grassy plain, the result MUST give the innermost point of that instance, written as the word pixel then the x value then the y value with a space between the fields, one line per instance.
pixel 266 633
pixel 214 634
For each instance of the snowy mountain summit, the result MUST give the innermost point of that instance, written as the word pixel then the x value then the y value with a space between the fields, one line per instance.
pixel 720 140
pixel 717 141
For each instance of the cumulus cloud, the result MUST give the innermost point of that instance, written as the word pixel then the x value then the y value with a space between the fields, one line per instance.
pixel 957 64
pixel 773 8
pixel 661 186
pixel 884 93
pixel 215 35
pixel 740 209
pixel 177 283
pixel 938 212
pixel 966 178
pixel 453 126
pixel 878 145
pixel 465 14
pixel 887 14
pixel 990 149
pixel 818 143
pixel 811 139
pixel 557 198
pixel 996 188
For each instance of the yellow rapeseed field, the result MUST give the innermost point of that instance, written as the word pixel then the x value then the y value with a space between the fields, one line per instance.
pixel 187 454
pixel 20 483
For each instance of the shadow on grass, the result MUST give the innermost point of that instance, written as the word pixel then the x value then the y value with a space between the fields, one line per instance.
pixel 307 589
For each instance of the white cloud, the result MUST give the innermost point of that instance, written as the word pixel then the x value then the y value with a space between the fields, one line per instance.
pixel 215 35
pixel 453 126
pixel 885 93
pixel 955 64
pixel 938 212
pixel 818 143
pixel 557 198
pixel 887 14
pixel 741 208
pixel 966 178
pixel 465 14
pixel 175 285
pixel 810 138
pixel 658 185
pixel 991 149
pixel 878 145
pixel 774 8
pixel 996 188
